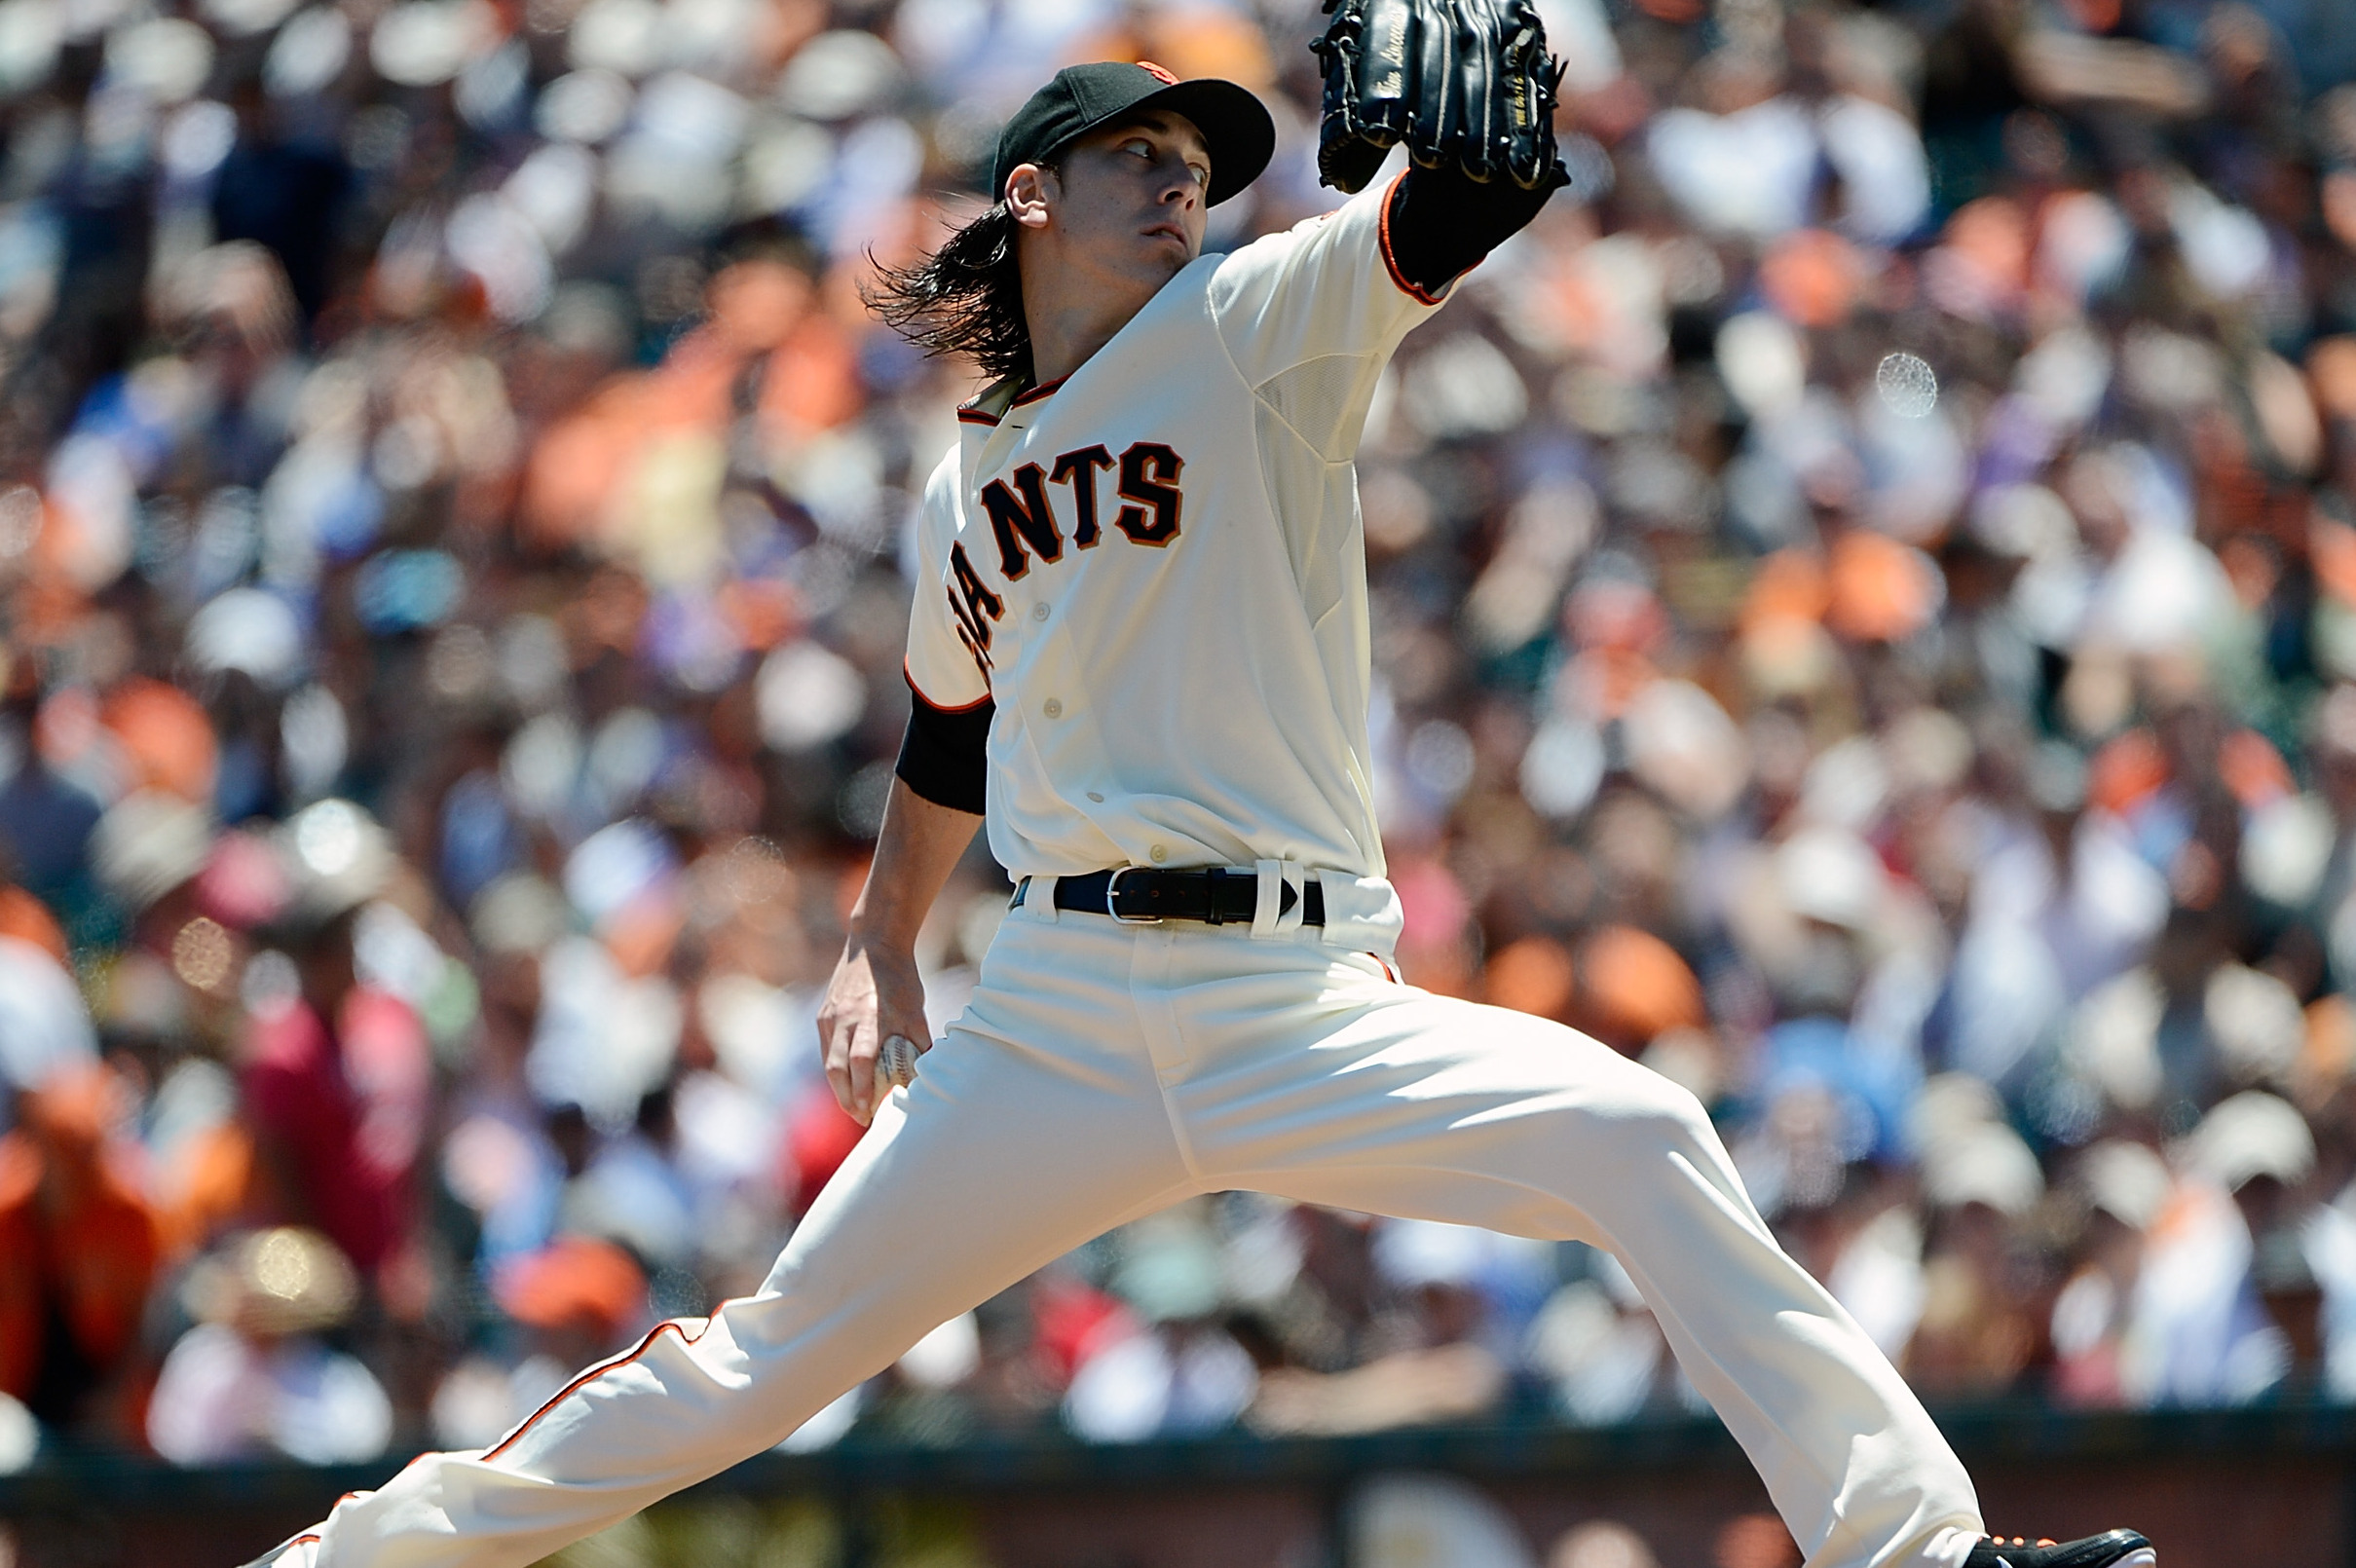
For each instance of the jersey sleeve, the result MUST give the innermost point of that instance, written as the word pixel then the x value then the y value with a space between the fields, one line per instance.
pixel 1328 288
pixel 948 660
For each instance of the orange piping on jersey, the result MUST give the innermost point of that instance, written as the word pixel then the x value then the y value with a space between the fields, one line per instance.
pixel 908 675
pixel 971 415
pixel 313 1535
pixel 598 1371
pixel 1039 392
pixel 1413 292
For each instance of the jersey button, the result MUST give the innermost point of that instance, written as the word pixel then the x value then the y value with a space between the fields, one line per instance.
pixel 1053 707
pixel 1159 854
pixel 1093 796
pixel 1038 612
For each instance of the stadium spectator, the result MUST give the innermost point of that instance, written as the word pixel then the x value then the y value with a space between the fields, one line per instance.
pixel 79 1253
pixel 253 1378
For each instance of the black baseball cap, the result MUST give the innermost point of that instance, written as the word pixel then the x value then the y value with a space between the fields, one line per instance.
pixel 1235 126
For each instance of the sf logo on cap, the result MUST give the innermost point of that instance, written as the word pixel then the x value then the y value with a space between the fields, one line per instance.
pixel 1156 72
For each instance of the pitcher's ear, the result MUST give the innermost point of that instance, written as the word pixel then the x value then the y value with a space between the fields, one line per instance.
pixel 1029 191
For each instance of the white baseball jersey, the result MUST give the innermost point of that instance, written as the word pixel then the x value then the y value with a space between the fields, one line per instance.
pixel 1155 568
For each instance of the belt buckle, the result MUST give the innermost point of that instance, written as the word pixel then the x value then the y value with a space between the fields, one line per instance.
pixel 1112 885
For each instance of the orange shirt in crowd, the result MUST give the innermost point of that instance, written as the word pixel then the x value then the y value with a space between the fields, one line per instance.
pixel 78 1247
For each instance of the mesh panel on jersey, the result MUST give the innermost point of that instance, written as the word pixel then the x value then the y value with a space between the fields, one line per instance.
pixel 1324 400
pixel 1315 502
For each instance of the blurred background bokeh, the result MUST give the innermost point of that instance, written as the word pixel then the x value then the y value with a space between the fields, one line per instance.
pixel 1865 623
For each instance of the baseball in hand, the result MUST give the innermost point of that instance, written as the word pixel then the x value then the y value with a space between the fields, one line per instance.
pixel 896 1063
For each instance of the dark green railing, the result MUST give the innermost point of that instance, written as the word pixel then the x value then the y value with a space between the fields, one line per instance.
pixel 1048 1461
pixel 2273 1485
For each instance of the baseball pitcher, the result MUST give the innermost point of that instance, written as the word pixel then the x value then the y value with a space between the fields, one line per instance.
pixel 1139 655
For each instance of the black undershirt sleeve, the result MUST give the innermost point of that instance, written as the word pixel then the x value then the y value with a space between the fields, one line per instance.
pixel 1442 222
pixel 945 755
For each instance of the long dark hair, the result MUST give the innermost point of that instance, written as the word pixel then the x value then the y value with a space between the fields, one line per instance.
pixel 964 298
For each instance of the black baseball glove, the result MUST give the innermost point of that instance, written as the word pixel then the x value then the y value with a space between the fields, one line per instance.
pixel 1462 82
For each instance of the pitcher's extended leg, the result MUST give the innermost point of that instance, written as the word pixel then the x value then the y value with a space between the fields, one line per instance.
pixel 1000 1159
pixel 1427 1108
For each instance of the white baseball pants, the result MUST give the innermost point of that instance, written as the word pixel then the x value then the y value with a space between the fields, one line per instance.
pixel 1103 1071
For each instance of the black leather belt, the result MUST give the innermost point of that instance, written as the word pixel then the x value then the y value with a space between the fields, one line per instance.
pixel 1139 896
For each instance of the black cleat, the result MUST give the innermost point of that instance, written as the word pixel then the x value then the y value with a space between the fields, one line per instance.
pixel 2113 1549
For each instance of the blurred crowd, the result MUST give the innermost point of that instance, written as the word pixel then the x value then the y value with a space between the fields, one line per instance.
pixel 1865 605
